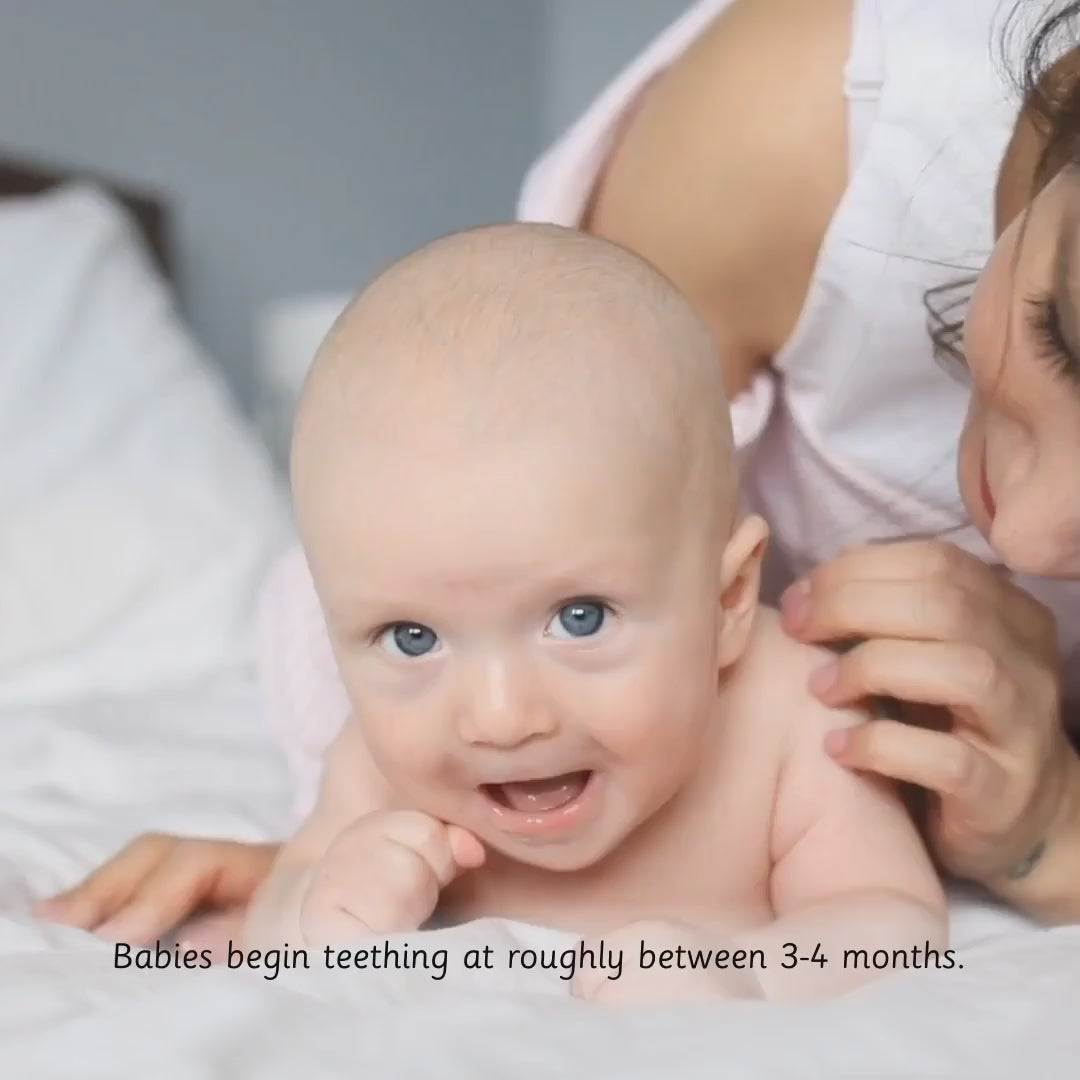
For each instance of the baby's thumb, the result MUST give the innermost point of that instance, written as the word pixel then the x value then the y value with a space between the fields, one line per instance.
pixel 468 852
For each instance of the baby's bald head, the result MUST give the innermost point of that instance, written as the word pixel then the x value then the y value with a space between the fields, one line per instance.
pixel 512 332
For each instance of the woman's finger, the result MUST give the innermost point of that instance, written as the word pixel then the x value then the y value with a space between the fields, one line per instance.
pixel 213 933
pixel 240 869
pixel 935 760
pixel 906 560
pixel 167 896
pixel 917 610
pixel 966 678
pixel 105 890
pixel 948 572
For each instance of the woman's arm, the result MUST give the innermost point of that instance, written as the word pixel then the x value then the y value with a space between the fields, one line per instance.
pixel 1047 884
pixel 727 174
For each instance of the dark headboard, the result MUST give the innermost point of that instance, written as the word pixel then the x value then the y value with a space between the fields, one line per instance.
pixel 149 209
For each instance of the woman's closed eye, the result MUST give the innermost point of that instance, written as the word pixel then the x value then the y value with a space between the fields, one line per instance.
pixel 1044 322
pixel 408 640
pixel 578 619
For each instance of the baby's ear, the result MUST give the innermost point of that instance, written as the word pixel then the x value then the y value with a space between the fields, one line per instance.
pixel 740 585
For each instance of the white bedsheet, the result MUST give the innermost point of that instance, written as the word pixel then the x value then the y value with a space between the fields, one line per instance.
pixel 76 780
pixel 135 519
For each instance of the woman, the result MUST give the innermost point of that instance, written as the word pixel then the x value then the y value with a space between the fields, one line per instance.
pixel 814 177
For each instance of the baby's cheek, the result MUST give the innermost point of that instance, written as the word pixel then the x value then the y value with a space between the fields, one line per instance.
pixel 632 726
pixel 659 713
pixel 402 744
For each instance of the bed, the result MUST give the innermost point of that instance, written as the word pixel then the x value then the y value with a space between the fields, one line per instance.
pixel 138 515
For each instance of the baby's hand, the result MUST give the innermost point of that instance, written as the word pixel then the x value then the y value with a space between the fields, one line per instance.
pixel 637 985
pixel 157 882
pixel 383 875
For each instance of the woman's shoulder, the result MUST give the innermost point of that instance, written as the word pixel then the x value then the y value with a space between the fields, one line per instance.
pixel 718 155
pixel 730 168
pixel 724 150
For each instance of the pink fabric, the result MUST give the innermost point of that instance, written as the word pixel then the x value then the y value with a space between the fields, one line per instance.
pixel 851 435
pixel 304 698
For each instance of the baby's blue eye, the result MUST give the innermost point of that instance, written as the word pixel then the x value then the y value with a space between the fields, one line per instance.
pixel 409 639
pixel 583 618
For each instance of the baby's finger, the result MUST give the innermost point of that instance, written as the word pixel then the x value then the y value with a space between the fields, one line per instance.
pixel 334 926
pixel 428 838
pixel 964 677
pixel 409 891
pixel 934 760
pixel 467 850
pixel 97 896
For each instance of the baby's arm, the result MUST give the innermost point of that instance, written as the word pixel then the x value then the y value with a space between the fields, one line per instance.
pixel 350 788
pixel 850 870
pixel 359 865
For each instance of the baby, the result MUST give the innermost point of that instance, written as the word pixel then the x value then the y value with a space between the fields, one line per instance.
pixel 514 481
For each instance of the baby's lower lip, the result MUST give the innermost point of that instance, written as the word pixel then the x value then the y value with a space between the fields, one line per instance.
pixel 542 808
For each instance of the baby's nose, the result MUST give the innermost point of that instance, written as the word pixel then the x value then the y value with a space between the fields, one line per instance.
pixel 502 706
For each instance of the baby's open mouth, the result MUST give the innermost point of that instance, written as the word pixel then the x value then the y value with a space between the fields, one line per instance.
pixel 539 796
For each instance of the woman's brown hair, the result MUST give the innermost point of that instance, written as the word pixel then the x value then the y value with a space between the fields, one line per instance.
pixel 1048 81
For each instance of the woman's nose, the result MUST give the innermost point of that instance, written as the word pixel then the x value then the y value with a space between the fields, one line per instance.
pixel 502 706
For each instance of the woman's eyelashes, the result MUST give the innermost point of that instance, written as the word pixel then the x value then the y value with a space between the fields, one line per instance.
pixel 574 620
pixel 1044 323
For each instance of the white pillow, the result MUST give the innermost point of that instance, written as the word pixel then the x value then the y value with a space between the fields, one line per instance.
pixel 138 513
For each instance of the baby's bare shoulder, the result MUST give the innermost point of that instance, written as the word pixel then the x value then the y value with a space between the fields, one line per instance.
pixel 774 672
pixel 350 771
pixel 351 786
pixel 773 693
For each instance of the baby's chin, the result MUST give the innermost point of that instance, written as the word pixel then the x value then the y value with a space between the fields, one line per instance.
pixel 564 859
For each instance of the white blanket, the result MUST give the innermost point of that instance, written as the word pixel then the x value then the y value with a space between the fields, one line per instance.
pixel 77 780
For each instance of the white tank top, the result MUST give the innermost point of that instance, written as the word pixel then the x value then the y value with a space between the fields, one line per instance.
pixel 852 434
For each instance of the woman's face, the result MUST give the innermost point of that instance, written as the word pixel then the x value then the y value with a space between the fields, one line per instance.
pixel 1019 459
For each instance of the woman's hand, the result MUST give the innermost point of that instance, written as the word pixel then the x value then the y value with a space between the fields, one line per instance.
pixel 936 626
pixel 157 882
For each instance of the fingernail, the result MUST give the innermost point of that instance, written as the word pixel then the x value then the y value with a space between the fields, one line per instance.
pixel 836 742
pixel 795 604
pixel 824 679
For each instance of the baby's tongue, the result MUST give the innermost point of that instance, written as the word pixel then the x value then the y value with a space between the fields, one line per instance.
pixel 539 796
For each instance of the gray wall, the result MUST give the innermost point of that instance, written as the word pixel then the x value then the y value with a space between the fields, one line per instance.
pixel 589 41
pixel 304 142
